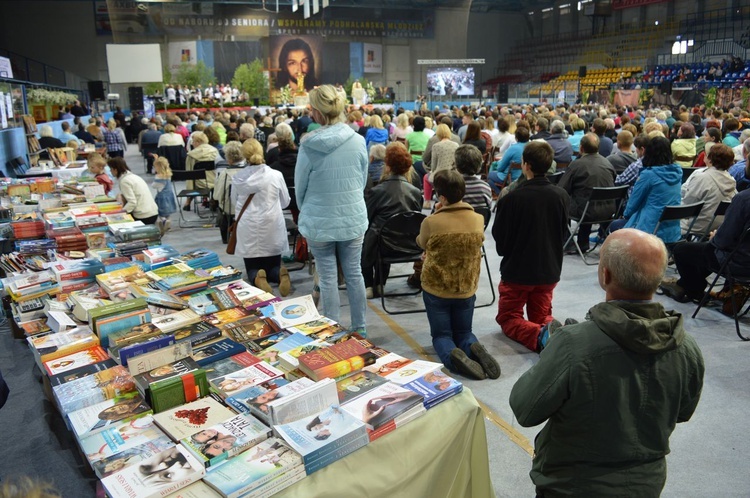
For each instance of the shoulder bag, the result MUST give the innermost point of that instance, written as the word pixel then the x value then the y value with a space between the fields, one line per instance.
pixel 232 242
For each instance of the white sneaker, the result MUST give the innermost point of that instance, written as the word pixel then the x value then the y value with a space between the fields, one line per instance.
pixel 369 294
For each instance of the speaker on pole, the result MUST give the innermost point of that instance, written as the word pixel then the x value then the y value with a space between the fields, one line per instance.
pixel 582 72
pixel 96 90
pixel 502 92
pixel 135 98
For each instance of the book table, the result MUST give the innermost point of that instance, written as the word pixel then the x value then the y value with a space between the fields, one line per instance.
pixel 442 454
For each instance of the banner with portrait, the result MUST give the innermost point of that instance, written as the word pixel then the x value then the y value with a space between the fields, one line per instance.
pixel 373 58
pixel 295 60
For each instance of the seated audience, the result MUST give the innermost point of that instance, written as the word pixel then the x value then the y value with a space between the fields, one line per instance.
pixel 710 185
pixel 47 139
pixel 377 159
pixel 468 163
pixel 202 152
pixel 623 156
pixel 376 134
pixel 559 143
pixel 631 173
pixel 66 136
pixel 658 186
pixel 579 129
pixel 416 141
pixel 731 132
pixel 711 136
pixel 739 171
pixel 393 195
pixel 599 127
pixel 683 147
pixel 499 170
pixel 443 157
pixel 474 137
pixel 83 135
pixel 170 137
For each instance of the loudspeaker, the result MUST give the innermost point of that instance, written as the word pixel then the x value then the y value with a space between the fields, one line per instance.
pixel 96 90
pixel 256 102
pixel 666 87
pixel 582 72
pixel 135 98
pixel 502 93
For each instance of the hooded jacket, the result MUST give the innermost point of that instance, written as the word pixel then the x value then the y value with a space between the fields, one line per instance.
pixel 612 390
pixel 684 149
pixel 656 188
pixel 329 181
pixel 711 186
pixel 376 136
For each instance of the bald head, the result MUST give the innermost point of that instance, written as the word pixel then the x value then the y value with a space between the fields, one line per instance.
pixel 632 264
pixel 589 144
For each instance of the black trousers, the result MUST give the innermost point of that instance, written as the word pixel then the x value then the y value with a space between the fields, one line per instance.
pixel 694 262
pixel 272 265
pixel 147 221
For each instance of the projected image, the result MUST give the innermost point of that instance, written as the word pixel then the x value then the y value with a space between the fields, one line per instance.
pixel 450 81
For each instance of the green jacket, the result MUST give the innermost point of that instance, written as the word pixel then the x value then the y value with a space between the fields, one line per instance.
pixel 612 389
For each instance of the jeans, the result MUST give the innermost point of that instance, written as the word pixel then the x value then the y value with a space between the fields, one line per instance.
pixel 272 265
pixel 349 255
pixel 419 168
pixel 538 302
pixel 494 179
pixel 694 261
pixel 450 325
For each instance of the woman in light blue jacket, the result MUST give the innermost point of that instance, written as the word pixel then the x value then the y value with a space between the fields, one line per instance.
pixel 330 179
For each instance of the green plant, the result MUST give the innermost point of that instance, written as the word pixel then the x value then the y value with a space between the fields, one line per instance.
pixel 251 79
pixel 194 74
pixel 285 93
pixel 710 98
pixel 746 98
pixel 157 88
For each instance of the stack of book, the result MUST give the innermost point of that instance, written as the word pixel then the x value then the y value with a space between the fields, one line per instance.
pixel 336 361
pixel 116 281
pixel 28 229
pixel 59 219
pixel 76 274
pixel 93 389
pixel 38 246
pixel 68 239
pixel 49 347
pixel 173 384
pixel 161 255
pixel 129 248
pixel 200 258
pixel 31 285
pixel 92 224
pixel 148 233
pixel 180 279
pixel 435 387
pixel 117 317
pixel 114 218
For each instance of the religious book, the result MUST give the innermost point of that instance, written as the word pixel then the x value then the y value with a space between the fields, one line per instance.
pixel 183 421
pixel 336 361
pixel 382 404
pixel 119 437
pixel 294 312
pixel 236 382
pixel 75 360
pixel 95 418
pixel 255 400
pixel 52 346
pixel 207 354
pixel 90 390
pixel 133 456
pixel 355 385
pixel 157 476
pixel 435 387
pixel 216 444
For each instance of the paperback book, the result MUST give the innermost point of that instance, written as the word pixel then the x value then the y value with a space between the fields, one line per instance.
pixel 294 312
pixel 51 346
pixel 81 372
pixel 75 360
pixel 222 441
pixel 210 353
pixel 336 361
pixel 183 421
pixel 301 403
pixel 178 320
pixel 157 476
pixel 382 404
pixel 120 437
pixel 90 390
pixel 250 328
pixel 357 384
pixel 435 387
pixel 254 469
pixel 95 418
pixel 115 463
pixel 294 341
pixel 256 399
pixel 233 383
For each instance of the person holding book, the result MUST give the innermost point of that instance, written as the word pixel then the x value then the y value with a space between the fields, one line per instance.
pixel 452 239
pixel 134 193
pixel 330 180
pixel 261 230
pixel 96 164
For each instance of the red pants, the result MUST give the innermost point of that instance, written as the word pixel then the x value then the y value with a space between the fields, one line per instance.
pixel 538 302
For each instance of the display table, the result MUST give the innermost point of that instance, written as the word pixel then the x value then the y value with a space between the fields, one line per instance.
pixel 441 454
pixel 61 173
pixel 101 150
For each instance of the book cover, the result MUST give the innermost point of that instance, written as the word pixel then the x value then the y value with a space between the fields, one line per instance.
pixel 271 354
pixel 93 389
pixel 321 433
pixel 388 364
pixel 382 404
pixel 294 312
pixel 288 360
pixel 164 372
pixel 162 356
pixel 435 387
pixel 75 360
pixel 232 364
pixel 233 383
pixel 256 399
pixel 314 326
pixel 260 343
pixel 198 489
pixel 136 334
pixel 207 354
pixel 413 371
pixel 95 418
pixel 157 476
pixel 212 300
pixel 250 328
pixel 225 316
pixel 115 463
pixel 120 279
pixel 220 442
pixel 337 360
pixel 174 321
pixel 152 345
pixel 115 309
pixel 105 326
pixel 403 419
pixel 355 385
pixel 241 289
pixel 176 391
pixel 81 372
pixel 278 484
pixel 158 298
pixel 186 420
pixel 35 327
pixel 120 437
pixel 52 346
pixel 302 403
pixel 254 468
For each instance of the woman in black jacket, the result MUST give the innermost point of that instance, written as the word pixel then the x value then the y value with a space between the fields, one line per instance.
pixel 284 159
pixel 393 195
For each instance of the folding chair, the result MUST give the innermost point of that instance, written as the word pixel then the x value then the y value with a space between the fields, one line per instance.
pixel 721 210
pixel 194 194
pixel 147 150
pixel 486 214
pixel 730 278
pixel 598 194
pixel 675 213
pixel 175 154
pixel 555 177
pixel 686 172
pixel 397 243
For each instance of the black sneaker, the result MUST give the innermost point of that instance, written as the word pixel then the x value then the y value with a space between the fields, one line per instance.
pixel 466 366
pixel 489 364
pixel 675 291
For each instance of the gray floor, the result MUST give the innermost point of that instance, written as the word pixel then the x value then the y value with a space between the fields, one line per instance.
pixel 708 452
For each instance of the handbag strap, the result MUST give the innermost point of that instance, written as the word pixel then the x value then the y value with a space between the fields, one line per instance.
pixel 247 202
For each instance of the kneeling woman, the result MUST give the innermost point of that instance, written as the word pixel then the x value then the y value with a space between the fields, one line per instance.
pixel 134 192
pixel 261 231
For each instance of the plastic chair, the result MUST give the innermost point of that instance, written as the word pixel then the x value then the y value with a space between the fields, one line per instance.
pixel 555 177
pixel 731 279
pixel 175 155
pixel 683 212
pixel 686 172
pixel 397 243
pixel 486 213
pixel 598 194
pixel 193 194
pixel 721 210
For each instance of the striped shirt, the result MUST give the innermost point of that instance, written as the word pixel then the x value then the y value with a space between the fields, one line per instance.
pixel 478 193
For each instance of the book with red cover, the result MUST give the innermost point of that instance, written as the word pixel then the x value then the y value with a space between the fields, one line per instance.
pixel 75 360
pixel 337 360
